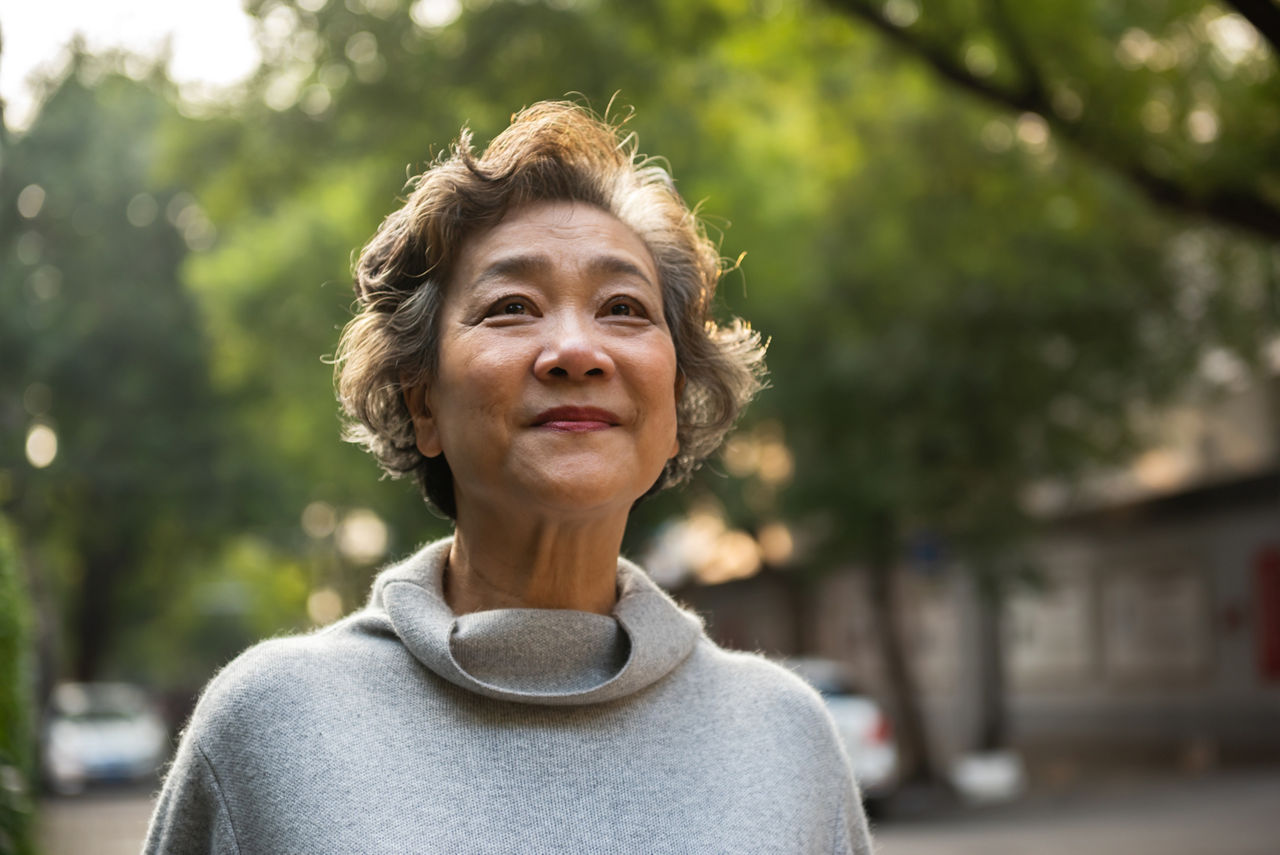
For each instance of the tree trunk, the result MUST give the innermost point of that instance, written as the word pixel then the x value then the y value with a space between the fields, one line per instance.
pixel 800 594
pixel 993 718
pixel 916 761
pixel 93 614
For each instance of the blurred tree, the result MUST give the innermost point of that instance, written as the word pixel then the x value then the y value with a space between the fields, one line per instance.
pixel 1180 97
pixel 17 704
pixel 1062 306
pixel 112 436
pixel 243 590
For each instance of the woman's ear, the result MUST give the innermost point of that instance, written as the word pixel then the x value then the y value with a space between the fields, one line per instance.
pixel 424 424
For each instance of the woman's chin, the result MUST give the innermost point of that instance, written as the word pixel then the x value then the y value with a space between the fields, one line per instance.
pixel 578 491
pixel 577 500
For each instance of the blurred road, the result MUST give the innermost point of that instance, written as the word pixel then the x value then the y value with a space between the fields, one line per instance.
pixel 1226 814
pixel 107 822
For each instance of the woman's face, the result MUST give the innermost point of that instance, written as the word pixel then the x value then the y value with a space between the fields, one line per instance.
pixel 556 382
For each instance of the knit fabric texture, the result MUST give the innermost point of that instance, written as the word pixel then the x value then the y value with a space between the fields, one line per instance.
pixel 406 729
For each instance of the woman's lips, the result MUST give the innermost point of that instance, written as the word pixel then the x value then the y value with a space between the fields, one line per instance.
pixel 576 419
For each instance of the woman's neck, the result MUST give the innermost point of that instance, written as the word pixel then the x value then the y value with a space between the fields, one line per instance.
pixel 503 563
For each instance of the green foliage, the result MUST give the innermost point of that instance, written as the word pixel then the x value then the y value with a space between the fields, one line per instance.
pixel 102 347
pixel 245 591
pixel 972 295
pixel 1180 97
pixel 17 704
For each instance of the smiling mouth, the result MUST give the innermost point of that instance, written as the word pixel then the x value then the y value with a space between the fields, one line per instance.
pixel 576 419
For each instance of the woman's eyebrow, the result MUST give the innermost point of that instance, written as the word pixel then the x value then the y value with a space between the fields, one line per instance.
pixel 613 265
pixel 536 265
pixel 523 266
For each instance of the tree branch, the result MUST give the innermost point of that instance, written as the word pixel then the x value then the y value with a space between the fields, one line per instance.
pixel 1265 17
pixel 1230 206
pixel 937 56
pixel 1019 52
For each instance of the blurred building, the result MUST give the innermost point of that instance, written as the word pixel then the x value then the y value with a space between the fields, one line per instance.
pixel 1154 636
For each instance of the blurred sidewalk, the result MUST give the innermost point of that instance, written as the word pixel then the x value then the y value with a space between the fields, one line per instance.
pixel 101 822
pixel 1219 813
pixel 1224 813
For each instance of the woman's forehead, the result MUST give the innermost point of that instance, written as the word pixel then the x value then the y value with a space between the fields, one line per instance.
pixel 538 238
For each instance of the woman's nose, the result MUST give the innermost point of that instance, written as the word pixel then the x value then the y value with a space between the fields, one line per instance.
pixel 574 350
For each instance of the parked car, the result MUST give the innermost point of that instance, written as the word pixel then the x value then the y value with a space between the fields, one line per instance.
pixel 97 732
pixel 864 728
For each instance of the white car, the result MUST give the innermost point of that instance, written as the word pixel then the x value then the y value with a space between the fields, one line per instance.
pixel 866 731
pixel 101 732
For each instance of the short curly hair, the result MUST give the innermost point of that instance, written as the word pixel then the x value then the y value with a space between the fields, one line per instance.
pixel 551 151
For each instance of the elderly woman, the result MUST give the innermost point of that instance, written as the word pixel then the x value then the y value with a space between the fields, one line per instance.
pixel 533 346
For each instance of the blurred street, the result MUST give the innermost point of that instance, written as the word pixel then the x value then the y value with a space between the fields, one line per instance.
pixel 1225 814
pixel 108 822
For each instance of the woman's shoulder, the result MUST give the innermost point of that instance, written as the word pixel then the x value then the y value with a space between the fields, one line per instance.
pixel 291 672
pixel 762 683
pixel 754 668
pixel 775 709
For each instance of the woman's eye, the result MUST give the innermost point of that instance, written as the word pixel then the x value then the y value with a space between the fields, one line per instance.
pixel 510 306
pixel 626 309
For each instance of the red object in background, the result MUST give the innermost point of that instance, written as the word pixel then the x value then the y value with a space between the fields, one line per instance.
pixel 1267 580
pixel 882 733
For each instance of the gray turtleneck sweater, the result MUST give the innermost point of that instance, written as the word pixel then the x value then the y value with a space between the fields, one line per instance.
pixel 406 729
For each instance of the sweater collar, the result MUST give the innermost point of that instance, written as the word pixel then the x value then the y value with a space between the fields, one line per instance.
pixel 536 656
